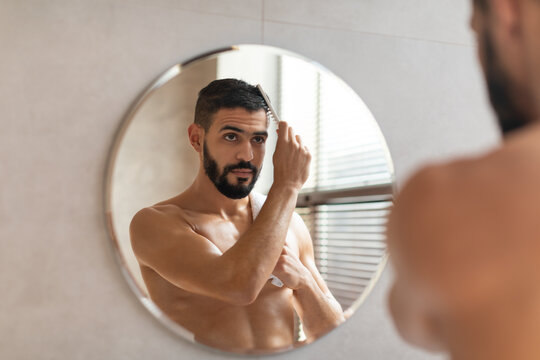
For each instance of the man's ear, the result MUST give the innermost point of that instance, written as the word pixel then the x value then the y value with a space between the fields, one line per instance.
pixel 508 14
pixel 196 135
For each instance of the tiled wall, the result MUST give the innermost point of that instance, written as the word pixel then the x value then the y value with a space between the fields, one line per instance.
pixel 70 70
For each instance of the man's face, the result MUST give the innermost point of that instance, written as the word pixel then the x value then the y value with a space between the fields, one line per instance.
pixel 506 92
pixel 233 150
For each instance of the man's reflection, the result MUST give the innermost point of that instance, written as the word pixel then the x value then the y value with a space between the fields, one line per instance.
pixel 207 257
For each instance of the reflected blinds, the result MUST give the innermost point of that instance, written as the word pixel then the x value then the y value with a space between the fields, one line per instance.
pixel 346 200
pixel 349 244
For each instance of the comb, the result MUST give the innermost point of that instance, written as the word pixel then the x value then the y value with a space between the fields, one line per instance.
pixel 271 111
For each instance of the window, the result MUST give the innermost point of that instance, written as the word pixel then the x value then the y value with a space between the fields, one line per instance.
pixel 349 193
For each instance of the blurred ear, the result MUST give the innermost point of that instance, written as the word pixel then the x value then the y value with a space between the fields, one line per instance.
pixel 530 10
pixel 196 135
pixel 508 15
pixel 506 22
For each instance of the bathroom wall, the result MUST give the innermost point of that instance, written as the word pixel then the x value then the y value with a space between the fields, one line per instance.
pixel 155 139
pixel 70 70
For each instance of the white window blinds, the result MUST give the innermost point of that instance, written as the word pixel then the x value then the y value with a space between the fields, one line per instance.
pixel 346 200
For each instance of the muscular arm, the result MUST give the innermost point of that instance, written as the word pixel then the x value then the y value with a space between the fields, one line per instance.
pixel 437 239
pixel 408 227
pixel 463 237
pixel 193 263
pixel 314 303
pixel 411 316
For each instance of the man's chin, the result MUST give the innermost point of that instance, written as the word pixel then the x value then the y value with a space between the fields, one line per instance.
pixel 235 192
pixel 239 179
pixel 237 196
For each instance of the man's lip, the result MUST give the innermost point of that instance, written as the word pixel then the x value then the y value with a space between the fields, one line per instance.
pixel 242 171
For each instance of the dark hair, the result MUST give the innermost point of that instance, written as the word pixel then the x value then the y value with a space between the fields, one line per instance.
pixel 482 4
pixel 228 94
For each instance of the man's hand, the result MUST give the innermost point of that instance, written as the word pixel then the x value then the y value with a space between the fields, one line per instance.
pixel 291 158
pixel 290 270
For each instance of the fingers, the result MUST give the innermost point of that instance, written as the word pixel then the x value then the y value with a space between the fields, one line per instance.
pixel 287 251
pixel 291 134
pixel 301 144
pixel 299 141
pixel 283 131
pixel 286 133
pixel 291 158
pixel 290 270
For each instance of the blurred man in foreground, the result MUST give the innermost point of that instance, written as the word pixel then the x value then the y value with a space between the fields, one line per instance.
pixel 464 236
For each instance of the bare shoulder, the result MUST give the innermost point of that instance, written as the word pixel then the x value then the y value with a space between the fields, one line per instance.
pixel 301 231
pixel 297 226
pixel 157 223
pixel 297 223
pixel 436 199
pixel 158 215
pixel 486 178
pixel 467 222
pixel 473 197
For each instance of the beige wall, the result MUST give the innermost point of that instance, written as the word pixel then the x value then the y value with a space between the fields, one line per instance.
pixel 70 70
pixel 156 139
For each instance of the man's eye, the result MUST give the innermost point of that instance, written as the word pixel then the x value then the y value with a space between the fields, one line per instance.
pixel 230 137
pixel 259 139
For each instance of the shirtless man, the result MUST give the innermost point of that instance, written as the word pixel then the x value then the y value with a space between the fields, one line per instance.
pixel 464 237
pixel 204 259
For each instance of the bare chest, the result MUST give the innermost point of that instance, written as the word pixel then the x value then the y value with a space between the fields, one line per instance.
pixel 225 233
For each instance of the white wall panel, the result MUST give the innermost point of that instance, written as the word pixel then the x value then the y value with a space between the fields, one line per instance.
pixel 440 20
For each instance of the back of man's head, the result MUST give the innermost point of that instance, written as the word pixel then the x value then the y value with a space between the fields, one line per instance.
pixel 510 58
pixel 481 3
pixel 226 94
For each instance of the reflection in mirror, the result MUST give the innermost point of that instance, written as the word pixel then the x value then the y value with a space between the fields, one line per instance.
pixel 207 265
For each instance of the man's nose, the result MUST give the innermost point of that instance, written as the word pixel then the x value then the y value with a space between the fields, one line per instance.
pixel 245 152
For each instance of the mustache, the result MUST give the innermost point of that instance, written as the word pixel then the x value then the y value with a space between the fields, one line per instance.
pixel 240 165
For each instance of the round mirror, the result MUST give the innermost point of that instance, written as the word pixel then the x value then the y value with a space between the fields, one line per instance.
pixel 343 203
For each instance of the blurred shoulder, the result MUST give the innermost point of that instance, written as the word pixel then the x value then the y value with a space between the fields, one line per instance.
pixel 474 190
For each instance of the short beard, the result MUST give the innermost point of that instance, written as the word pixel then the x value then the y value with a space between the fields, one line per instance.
pixel 220 181
pixel 510 115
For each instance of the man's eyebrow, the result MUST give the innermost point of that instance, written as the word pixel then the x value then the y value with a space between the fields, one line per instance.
pixel 233 128
pixel 261 133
